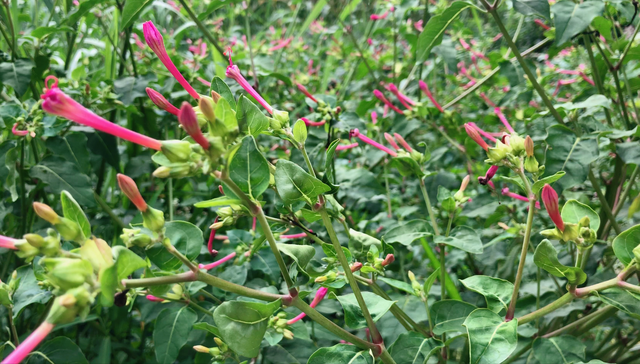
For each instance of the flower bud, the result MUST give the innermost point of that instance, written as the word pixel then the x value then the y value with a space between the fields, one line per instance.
pixel 220 343
pixel 465 183
pixel 130 189
pixel 215 96
pixel 35 240
pixel 5 294
pixel 67 273
pixel 320 279
pixel 161 102
pixel 189 121
pixel 287 334
pixel 201 349
pixel 162 172
pixel 282 117
pixel 388 260
pixel 412 277
pixel 134 237
pixel 498 153
pixel 176 170
pixel 531 164
pixel 585 222
pixel 636 254
pixel 550 200
pixel 356 267
pixel 98 253
pixel 51 245
pixel 517 144
pixel 153 219
pixel 528 146
pixel 207 107
pixel 46 213
pixel 475 136
pixel 176 150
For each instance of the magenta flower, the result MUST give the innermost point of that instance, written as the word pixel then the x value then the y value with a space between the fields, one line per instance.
pixel 8 243
pixel 487 100
pixel 320 293
pixel 17 132
pixel 308 122
pixel 506 192
pixel 503 119
pixel 379 17
pixel 234 72
pixel 388 103
pixel 153 298
pixel 403 142
pixel 161 102
pixel 486 179
pixel 484 133
pixel 130 189
pixel 472 132
pixel 541 24
pixel 294 236
pixel 391 141
pixel 374 117
pixel 306 92
pixel 404 99
pixel 464 44
pixel 281 44
pixel 425 88
pixel 29 344
pixel 217 262
pixel 550 200
pixel 58 103
pixel 154 40
pixel 346 146
pixel 189 121
pixel 212 236
pixel 364 138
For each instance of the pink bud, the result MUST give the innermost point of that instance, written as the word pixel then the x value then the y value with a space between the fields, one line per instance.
pixel 355 267
pixel 293 236
pixel 464 44
pixel 281 44
pixel 403 142
pixel 356 133
pixel 482 132
pixel 155 41
pixel 475 136
pixel 130 189
pixel 374 117
pixel 541 24
pixel 391 141
pixel 388 103
pixel 153 298
pixel 503 119
pixel 189 121
pixel 550 200
pixel 161 102
pixel 320 293
pixel 425 88
pixel 306 92
pixel 388 260
pixel 233 72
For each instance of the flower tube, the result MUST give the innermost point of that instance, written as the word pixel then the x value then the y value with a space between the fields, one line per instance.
pixel 484 133
pixel 233 72
pixel 189 121
pixel 308 122
pixel 374 117
pixel 27 346
pixel 404 99
pixel 425 89
pixel 391 141
pixel 17 132
pixel 306 92
pixel 364 138
pixel 388 103
pixel 58 103
pixel 506 192
pixel 155 41
pixel 403 142
pixel 550 200
pixel 294 236
pixel 473 134
pixel 281 44
pixel 161 102
pixel 130 189
pixel 8 243
pixel 217 262
pixel 380 16
pixel 346 146
pixel 503 119
pixel 320 293
pixel 153 298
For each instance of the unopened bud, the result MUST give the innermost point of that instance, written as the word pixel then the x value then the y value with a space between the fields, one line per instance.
pixel 201 349
pixel 287 334
pixel 282 117
pixel 216 225
pixel 162 172
pixel 153 219
pixel 35 240
pixel 585 221
pixel 356 267
pixel 130 189
pixel 498 153
pixel 219 342
pixel 25 250
pixel 517 144
pixel 215 96
pixel 176 150
pixel 207 106
pixel 388 260
pixel 189 121
pixel 531 164
pixel 528 146
pixel 412 277
pixel 465 183
pixel 321 279
pixel 46 213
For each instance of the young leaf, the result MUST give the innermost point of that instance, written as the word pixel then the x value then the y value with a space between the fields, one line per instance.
pixel 219 86
pixel 546 257
pixel 131 11
pixel 403 286
pixel 300 132
pixel 226 115
pixel 449 315
pixel 491 339
pixel 242 324
pixel 409 232
pixel 250 117
pixel 496 291
pixel 573 211
pixel 294 184
pixel 543 181
pixel 622 299
pixel 463 238
pixel 127 261
pixel 72 211
pixel 249 169
pixel 624 244
pixel 301 254
pixel 341 353
pixel 171 332
pixel 185 237
pixel 430 280
pixel 413 348
pixel 569 153
pixel 434 30
pixel 353 315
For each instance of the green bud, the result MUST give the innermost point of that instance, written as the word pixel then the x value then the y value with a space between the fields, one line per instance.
pixel 514 160
pixel 5 294
pixel 153 219
pixel 498 153
pixel 214 352
pixel 517 144
pixel 282 117
pixel 287 334
pixel 176 150
pixel 571 232
pixel 553 234
pixel 51 245
pixel 65 308
pixel 69 230
pixel 35 240
pixel 98 253
pixel 175 170
pixel 531 164
pixel 584 222
pixel 207 107
pixel 275 124
pixel 134 237
pixel 636 254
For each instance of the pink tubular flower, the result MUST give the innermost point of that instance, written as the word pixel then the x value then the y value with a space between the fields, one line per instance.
pixel 346 146
pixel 364 138
pixel 161 102
pixel 8 243
pixel 154 40
pixel 189 121
pixel 29 344
pixel 425 89
pixel 379 17
pixel 541 24
pixel 487 100
pixel 418 25
pixel 130 189
pixel 293 236
pixel 388 103
pixel 308 122
pixel 497 37
pixel 212 236
pixel 58 103
pixel 484 133
pixel 374 117
pixel 506 192
pixel 17 132
pixel 390 258
pixel 550 200
pixel 217 262
pixel 234 72
pixel 483 180
pixel 281 44
pixel 204 82
pixel 503 119
pixel 320 293
pixel 153 298
pixel 473 134
pixel 403 142
pixel 391 141
pixel 402 97
pixel 306 92
pixel 464 44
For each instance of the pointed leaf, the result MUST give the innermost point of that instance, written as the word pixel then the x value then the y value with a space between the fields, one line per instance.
pixel 353 316
pixel 463 238
pixel 341 354
pixel 294 184
pixel 171 332
pixel 413 348
pixel 249 169
pixel 491 339
pixel 449 315
pixel 624 244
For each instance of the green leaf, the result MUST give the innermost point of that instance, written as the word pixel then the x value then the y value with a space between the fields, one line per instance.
pixel 130 88
pixel 363 242
pixel 301 254
pixel 294 184
pixel 219 86
pixel 403 286
pixel 329 176
pixel 426 287
pixel 127 261
pixel 17 75
pixel 72 211
pixel 41 32
pixel 629 152
pixel 108 284
pixel 409 232
pixel 634 207
pixel 532 7
pixel 434 30
pixel 413 348
pixel 571 18
pixel 546 257
pixel 353 316
pixel 449 315
pixel 407 166
pixel 131 12
pixel 573 211
pixel 313 15
pixel 537 187
pixel 29 291
pixel 218 201
pixel 106 146
pixel 207 327
pixel 566 152
pixel 496 291
pixel 185 237
pixel 171 332
pixel 242 324
pixel 73 148
pixel 341 354
pixel 226 115
pixel 300 132
pixel 624 244
pixel 250 117
pixel 249 169
pixel 622 299
pixel 491 339
pixel 463 238
pixel 558 350
pixel 61 175
pixel 60 350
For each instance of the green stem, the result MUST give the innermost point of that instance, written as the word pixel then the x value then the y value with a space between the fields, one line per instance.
pixel 159 281
pixel 566 298
pixel 532 78
pixel 576 324
pixel 303 150
pixel 266 229
pixel 14 47
pixel 427 202
pixel 23 190
pixel 596 74
pixel 375 334
pixel 212 297
pixel 627 48
pixel 621 101
pixel 360 53
pixel 202 27
pixel 170 197
pixel 14 332
pixel 434 262
pixel 108 210
pixel 240 290
pixel 525 246
pixel 603 201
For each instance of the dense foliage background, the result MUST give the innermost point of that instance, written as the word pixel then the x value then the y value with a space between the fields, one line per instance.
pixel 566 74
